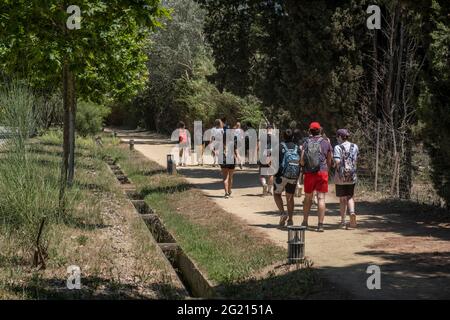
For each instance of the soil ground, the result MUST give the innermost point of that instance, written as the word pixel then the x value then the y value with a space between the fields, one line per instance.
pixel 411 247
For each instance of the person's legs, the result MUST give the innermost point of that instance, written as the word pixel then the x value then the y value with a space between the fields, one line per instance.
pixel 279 202
pixel 308 184
pixel 180 154
pixel 225 176
pixel 186 154
pixel 322 188
pixel 230 180
pixel 350 204
pixel 321 205
pixel 199 153
pixel 262 179
pixel 351 210
pixel 343 208
pixel 290 205
pixel 307 207
pixel 270 184
pixel 278 190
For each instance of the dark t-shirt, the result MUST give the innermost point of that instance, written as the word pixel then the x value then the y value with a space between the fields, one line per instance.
pixel 225 149
pixel 289 145
pixel 325 150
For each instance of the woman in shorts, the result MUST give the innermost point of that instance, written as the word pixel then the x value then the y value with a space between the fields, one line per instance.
pixel 228 168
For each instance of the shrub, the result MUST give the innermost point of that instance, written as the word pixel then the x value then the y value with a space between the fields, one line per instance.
pixel 27 191
pixel 90 118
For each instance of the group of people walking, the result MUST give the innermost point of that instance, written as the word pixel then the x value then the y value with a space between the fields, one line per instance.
pixel 306 161
pixel 312 163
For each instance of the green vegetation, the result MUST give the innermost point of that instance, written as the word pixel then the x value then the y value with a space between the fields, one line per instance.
pixel 81 236
pixel 232 254
pixel 223 247
pixel 90 118
pixel 435 101
pixel 100 61
pixel 178 86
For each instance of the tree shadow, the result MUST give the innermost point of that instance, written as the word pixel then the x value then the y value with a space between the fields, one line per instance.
pixel 404 218
pixel 152 172
pixel 403 276
pixel 92 288
pixel 292 283
pixel 241 179
pixel 148 190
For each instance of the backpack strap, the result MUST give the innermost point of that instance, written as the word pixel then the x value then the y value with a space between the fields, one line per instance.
pixel 352 149
pixel 284 145
pixel 343 151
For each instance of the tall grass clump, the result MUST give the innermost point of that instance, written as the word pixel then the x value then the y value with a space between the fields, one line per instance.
pixel 28 190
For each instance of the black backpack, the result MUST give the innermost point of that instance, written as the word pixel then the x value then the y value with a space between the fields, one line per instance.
pixel 312 154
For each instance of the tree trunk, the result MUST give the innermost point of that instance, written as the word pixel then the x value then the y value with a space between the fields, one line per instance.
pixel 72 116
pixel 69 102
pixel 375 74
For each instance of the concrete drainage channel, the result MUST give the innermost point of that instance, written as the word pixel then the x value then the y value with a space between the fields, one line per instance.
pixel 194 281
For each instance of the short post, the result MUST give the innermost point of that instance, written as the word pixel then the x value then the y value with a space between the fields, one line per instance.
pixel 171 167
pixel 131 144
pixel 296 244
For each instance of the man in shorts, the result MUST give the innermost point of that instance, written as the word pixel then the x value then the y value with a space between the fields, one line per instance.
pixel 286 177
pixel 345 157
pixel 316 160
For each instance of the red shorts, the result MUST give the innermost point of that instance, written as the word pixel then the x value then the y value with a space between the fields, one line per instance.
pixel 317 181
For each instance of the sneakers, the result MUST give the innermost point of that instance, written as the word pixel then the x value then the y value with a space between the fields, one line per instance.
pixel 320 227
pixel 290 222
pixel 305 224
pixel 343 225
pixel 227 195
pixel 353 220
pixel 283 219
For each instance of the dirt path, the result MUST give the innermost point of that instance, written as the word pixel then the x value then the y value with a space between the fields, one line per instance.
pixel 414 258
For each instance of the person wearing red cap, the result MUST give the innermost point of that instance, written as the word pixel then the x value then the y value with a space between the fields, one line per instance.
pixel 316 160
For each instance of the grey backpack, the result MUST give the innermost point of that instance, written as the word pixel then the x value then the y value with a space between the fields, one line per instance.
pixel 312 154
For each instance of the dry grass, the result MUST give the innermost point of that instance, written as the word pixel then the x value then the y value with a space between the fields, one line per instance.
pixel 102 235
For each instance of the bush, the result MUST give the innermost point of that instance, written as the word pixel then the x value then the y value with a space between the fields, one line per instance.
pixel 198 99
pixel 90 118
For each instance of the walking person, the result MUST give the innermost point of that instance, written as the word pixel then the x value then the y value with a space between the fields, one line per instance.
pixel 286 177
pixel 316 159
pixel 266 180
pixel 184 143
pixel 240 137
pixel 299 140
pixel 345 158
pixel 216 133
pixel 228 167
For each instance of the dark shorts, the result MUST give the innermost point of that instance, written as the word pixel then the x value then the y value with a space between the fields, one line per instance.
pixel 228 166
pixel 345 190
pixel 281 184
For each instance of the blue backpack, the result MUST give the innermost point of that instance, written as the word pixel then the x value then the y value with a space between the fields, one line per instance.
pixel 290 167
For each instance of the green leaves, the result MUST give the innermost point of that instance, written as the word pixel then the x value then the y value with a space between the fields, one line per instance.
pixel 106 53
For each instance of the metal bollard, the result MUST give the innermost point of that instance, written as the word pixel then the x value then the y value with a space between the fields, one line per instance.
pixel 296 244
pixel 171 166
pixel 131 144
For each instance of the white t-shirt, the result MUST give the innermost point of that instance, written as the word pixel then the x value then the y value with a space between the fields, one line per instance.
pixel 338 155
pixel 216 133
